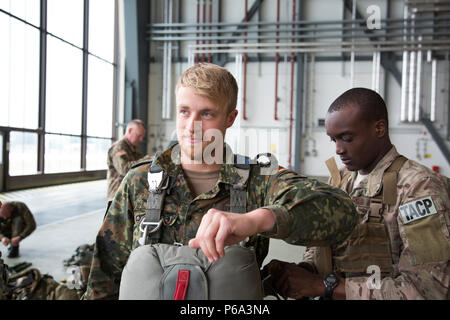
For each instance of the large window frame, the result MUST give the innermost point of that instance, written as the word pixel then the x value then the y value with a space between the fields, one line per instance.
pixel 41 178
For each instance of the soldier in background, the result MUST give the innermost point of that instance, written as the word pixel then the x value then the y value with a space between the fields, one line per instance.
pixel 16 223
pixel 400 248
pixel 3 279
pixel 196 206
pixel 123 154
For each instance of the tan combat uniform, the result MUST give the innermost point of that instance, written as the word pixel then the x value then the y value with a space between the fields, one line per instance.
pixel 409 242
pixel 122 155
pixel 20 223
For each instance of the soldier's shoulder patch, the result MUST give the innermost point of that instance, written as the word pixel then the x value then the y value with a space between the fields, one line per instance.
pixel 121 153
pixel 417 209
pixel 141 163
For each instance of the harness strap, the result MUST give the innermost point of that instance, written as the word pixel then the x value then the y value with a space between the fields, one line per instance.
pixel 238 192
pixel 390 181
pixel 158 181
pixel 182 284
pixel 335 174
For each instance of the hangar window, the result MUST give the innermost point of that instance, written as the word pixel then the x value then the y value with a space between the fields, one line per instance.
pixel 56 90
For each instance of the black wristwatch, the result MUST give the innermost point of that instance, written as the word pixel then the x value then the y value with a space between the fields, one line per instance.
pixel 330 281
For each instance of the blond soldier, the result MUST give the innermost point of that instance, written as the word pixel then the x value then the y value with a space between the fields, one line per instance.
pixel 16 223
pixel 400 249
pixel 123 154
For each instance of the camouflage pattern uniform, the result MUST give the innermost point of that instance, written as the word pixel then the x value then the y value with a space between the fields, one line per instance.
pixel 306 211
pixel 122 155
pixel 3 279
pixel 420 249
pixel 20 223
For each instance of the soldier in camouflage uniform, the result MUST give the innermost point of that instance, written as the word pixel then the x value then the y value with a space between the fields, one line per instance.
pixel 282 205
pixel 16 223
pixel 3 279
pixel 123 154
pixel 400 249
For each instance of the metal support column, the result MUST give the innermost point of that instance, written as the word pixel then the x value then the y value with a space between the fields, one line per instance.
pixel 137 16
pixel 300 91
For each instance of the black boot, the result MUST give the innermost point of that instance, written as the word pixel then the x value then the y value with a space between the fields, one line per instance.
pixel 13 252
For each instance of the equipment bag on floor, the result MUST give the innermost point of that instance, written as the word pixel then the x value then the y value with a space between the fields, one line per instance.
pixel 166 272
pixel 31 285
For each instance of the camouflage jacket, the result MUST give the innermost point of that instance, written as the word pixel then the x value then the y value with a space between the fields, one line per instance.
pixel 420 248
pixel 122 155
pixel 3 279
pixel 21 223
pixel 306 212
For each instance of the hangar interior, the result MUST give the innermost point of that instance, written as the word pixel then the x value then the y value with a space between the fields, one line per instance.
pixel 75 72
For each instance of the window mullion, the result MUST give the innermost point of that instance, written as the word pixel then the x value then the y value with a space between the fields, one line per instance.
pixel 85 85
pixel 42 86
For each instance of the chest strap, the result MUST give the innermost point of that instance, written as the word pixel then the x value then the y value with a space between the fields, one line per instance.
pixel 158 183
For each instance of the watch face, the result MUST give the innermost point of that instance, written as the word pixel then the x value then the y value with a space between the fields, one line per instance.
pixel 331 279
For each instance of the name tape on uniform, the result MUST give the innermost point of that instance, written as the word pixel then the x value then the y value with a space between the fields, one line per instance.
pixel 417 209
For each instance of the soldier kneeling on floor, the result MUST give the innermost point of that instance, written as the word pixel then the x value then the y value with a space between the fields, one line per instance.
pixel 16 223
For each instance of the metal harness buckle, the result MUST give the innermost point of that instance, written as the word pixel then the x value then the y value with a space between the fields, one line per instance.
pixel 146 232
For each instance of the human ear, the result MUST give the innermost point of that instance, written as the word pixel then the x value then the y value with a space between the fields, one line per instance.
pixel 231 117
pixel 380 128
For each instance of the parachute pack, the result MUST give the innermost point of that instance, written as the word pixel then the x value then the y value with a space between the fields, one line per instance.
pixel 168 272
pixel 165 272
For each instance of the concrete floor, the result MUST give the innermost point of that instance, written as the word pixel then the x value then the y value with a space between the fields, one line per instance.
pixel 68 216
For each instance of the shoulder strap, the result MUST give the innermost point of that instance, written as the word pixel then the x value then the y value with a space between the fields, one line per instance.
pixel 390 181
pixel 334 171
pixel 158 182
pixel 140 163
pixel 389 189
pixel 238 192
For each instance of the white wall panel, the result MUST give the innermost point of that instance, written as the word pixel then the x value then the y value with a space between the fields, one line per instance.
pixel 330 80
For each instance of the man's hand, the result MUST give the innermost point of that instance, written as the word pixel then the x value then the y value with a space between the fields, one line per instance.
pixel 5 241
pixel 15 241
pixel 292 281
pixel 219 229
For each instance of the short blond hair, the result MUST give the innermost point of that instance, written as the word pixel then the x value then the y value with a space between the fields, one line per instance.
pixel 213 82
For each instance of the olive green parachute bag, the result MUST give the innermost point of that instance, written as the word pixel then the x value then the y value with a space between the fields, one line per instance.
pixel 169 272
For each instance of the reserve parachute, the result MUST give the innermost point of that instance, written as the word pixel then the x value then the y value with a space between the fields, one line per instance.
pixel 168 272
